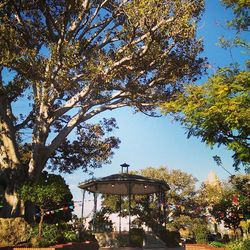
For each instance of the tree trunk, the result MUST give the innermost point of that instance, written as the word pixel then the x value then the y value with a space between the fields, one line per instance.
pixel 41 223
pixel 12 207
pixel 234 231
pixel 10 182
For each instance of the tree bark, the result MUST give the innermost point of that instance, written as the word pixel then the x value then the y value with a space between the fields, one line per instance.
pixel 41 223
pixel 10 181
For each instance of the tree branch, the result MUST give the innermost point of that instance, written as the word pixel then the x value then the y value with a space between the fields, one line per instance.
pixel 50 22
pixel 104 25
pixel 75 25
pixel 26 121
pixel 92 19
pixel 78 118
pixel 71 102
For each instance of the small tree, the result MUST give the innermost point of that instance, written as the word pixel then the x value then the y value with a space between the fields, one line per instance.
pixel 228 213
pixel 201 233
pixel 49 192
pixel 233 207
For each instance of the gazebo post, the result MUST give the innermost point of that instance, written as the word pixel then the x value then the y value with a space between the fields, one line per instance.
pixel 129 209
pixel 83 197
pixel 164 207
pixel 95 210
pixel 120 216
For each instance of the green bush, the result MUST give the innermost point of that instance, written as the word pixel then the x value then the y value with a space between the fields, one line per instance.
pixel 201 233
pixel 136 237
pixel 246 244
pixel 51 235
pixel 70 236
pixel 170 238
pixel 238 245
pixel 217 244
pixel 13 232
pixel 122 240
pixel 57 234
pixel 133 239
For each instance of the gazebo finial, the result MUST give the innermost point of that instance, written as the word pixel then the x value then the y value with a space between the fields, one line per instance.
pixel 124 165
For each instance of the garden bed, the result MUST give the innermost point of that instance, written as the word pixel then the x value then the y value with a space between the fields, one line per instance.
pixel 202 247
pixel 68 246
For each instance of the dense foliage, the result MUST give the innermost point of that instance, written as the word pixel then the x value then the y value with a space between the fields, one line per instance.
pixel 240 9
pixel 14 231
pixel 218 112
pixel 233 207
pixel 239 245
pixel 49 193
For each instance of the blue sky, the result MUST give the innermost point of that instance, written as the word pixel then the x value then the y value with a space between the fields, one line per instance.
pixel 155 142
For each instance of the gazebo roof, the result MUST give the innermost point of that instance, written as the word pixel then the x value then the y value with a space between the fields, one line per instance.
pixel 125 184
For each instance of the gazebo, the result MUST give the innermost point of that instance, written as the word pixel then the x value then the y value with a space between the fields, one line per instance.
pixel 124 184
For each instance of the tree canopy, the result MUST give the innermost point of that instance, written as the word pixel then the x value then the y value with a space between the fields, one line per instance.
pixel 240 9
pixel 69 61
pixel 218 111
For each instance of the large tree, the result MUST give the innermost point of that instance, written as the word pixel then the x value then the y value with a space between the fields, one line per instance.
pixel 72 60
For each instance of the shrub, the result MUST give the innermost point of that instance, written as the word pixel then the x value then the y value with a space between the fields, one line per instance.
pixel 217 244
pixel 51 235
pixel 201 233
pixel 13 231
pixel 122 240
pixel 246 244
pixel 171 238
pixel 86 236
pixel 238 245
pixel 133 239
pixel 69 236
pixel 136 237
